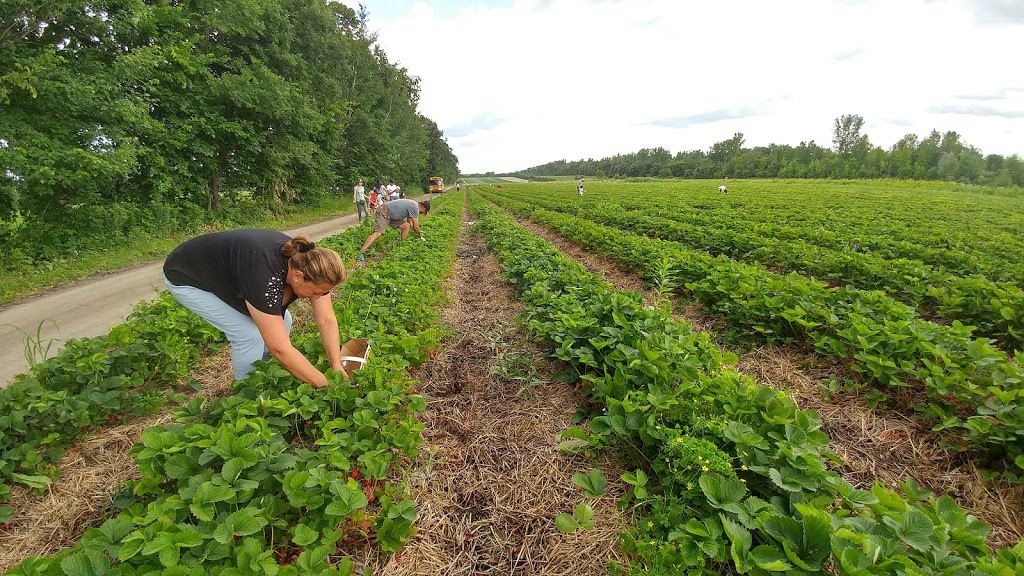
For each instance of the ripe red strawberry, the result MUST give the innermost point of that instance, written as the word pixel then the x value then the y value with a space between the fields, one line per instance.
pixel 354 473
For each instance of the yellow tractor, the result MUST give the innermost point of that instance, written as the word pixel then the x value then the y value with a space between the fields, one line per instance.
pixel 436 185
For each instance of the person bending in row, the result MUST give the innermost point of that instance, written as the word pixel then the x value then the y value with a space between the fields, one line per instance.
pixel 399 214
pixel 242 282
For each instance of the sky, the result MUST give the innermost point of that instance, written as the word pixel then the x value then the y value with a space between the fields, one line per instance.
pixel 518 83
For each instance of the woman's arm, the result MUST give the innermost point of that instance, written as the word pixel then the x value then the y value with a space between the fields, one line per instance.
pixel 275 337
pixel 327 324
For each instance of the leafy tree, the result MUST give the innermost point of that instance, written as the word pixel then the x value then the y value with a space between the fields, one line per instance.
pixel 124 117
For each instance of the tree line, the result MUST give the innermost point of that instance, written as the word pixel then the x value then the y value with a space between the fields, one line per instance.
pixel 937 157
pixel 128 117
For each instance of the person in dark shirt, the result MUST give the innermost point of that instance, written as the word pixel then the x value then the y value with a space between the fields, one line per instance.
pixel 399 214
pixel 242 282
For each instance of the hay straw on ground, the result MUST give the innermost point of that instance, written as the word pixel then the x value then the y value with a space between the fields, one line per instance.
pixel 877 444
pixel 490 492
pixel 874 444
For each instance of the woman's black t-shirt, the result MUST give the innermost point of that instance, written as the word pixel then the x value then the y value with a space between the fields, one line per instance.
pixel 237 266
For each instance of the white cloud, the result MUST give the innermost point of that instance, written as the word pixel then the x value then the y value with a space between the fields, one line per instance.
pixel 514 84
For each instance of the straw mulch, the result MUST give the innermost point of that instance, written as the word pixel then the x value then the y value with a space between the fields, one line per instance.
pixel 91 472
pixel 493 482
pixel 883 445
pixel 875 444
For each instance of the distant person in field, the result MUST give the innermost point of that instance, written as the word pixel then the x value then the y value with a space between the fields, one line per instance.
pixel 371 201
pixel 359 197
pixel 393 192
pixel 579 187
pixel 402 215
pixel 242 282
pixel 377 195
pixel 458 187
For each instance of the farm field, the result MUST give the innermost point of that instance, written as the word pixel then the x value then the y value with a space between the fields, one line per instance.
pixel 555 395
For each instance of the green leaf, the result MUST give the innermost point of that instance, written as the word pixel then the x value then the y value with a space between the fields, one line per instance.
pixel 180 466
pixel 817 539
pixel 304 535
pixel 745 435
pixel 88 563
pixel 566 523
pixel 113 530
pixel 170 555
pixel 599 425
pixel 349 500
pixel 233 468
pixel 584 515
pixel 404 509
pixel 209 492
pixel 242 523
pixel 310 561
pixel 741 541
pixel 769 558
pixel 697 528
pixel 784 528
pixel 31 481
pixel 593 483
pixel 784 482
pixel 131 546
pixel 915 528
pixel 722 491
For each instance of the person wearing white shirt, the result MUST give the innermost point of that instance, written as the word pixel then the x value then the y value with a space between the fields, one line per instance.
pixel 359 197
pixel 393 191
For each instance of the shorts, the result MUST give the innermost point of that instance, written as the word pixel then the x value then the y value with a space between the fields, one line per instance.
pixel 381 220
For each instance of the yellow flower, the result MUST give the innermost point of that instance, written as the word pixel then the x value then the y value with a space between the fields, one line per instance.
pixel 689 485
pixel 744 467
pixel 742 480
pixel 650 524
pixel 704 468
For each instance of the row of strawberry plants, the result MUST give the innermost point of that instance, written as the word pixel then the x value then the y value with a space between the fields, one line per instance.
pixel 92 383
pixel 961 243
pixel 995 309
pixel 730 477
pixel 956 230
pixel 974 392
pixel 281 478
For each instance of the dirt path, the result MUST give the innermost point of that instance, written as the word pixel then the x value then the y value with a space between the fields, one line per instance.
pixel 92 307
pixel 494 482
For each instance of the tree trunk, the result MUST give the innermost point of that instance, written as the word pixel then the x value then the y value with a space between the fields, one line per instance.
pixel 214 203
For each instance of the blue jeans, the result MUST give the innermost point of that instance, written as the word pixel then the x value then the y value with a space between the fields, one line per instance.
pixel 246 342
